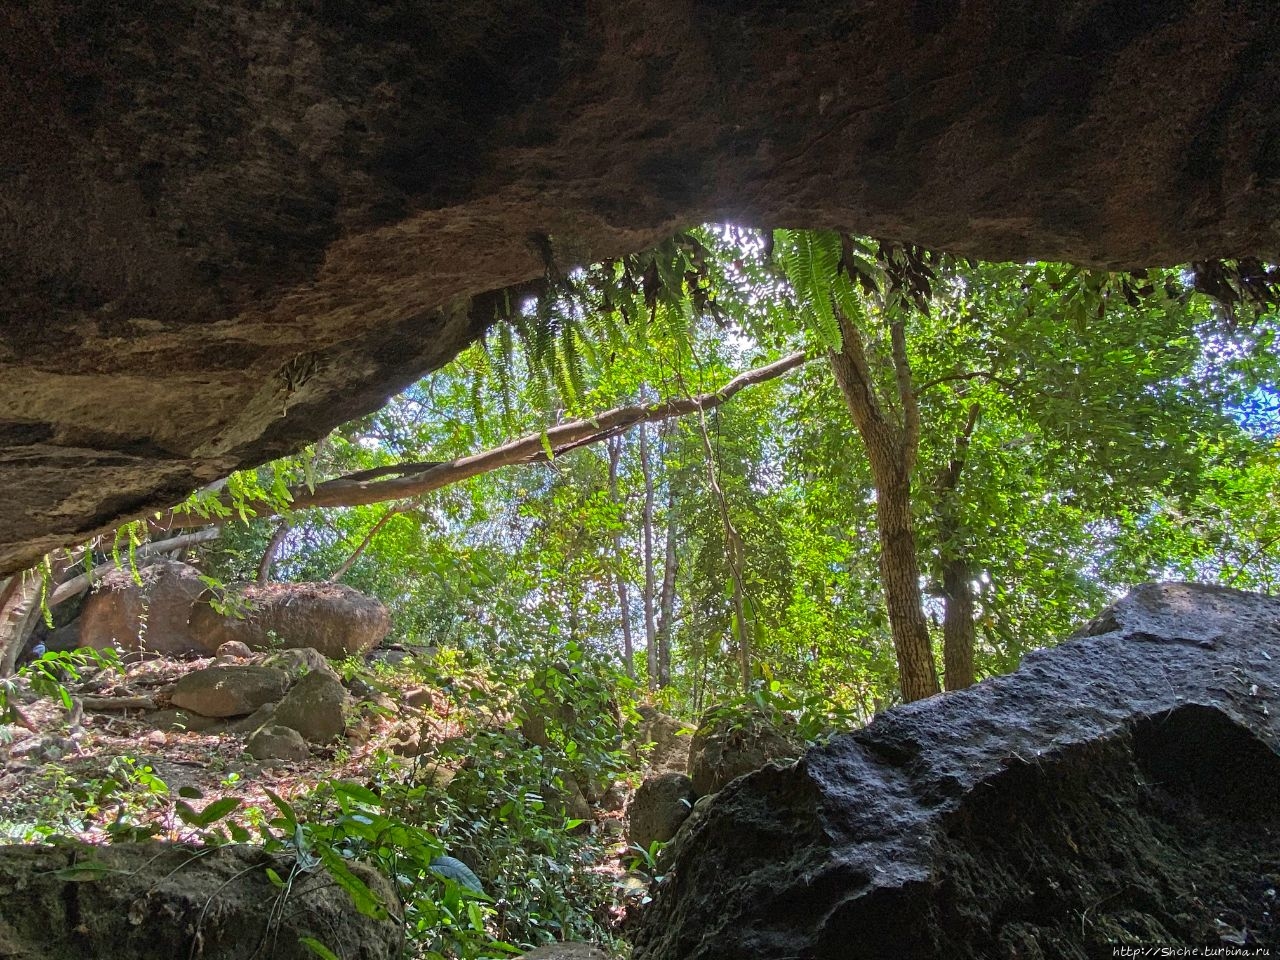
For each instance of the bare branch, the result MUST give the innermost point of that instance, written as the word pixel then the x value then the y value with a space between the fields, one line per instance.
pixel 531 448
pixel 348 563
pixel 77 585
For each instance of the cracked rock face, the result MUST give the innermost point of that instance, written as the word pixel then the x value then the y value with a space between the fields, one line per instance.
pixel 225 228
pixel 1121 788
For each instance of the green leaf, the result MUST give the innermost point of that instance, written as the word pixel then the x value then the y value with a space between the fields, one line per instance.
pixel 366 901
pixel 318 948
pixel 217 810
pixel 285 808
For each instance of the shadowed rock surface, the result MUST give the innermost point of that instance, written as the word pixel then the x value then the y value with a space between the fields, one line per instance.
pixel 1123 787
pixel 225 228
pixel 331 618
pixel 154 901
pixel 150 616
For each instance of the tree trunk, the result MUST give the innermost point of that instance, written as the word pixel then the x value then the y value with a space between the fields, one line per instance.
pixel 900 575
pixel 345 567
pixel 891 447
pixel 667 598
pixel 620 582
pixel 957 577
pixel 273 548
pixel 19 606
pixel 650 629
pixel 957 625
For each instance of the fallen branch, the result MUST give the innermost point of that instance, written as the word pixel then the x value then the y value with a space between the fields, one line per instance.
pixel 359 489
pixel 77 585
pixel 118 703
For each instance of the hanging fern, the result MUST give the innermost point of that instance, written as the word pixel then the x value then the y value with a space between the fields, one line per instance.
pixel 811 259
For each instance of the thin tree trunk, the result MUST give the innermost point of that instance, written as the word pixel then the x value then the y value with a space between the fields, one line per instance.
pixel 900 574
pixel 891 448
pixel 667 597
pixel 19 605
pixel 650 589
pixel 957 625
pixel 620 582
pixel 958 631
pixel 347 564
pixel 273 548
pixel 734 554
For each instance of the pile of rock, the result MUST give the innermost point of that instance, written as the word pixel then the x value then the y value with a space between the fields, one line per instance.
pixel 725 746
pixel 284 704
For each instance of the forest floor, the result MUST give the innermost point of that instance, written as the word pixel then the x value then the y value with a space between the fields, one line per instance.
pixel 75 772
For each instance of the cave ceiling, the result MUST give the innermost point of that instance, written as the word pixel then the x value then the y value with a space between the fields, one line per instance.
pixel 227 227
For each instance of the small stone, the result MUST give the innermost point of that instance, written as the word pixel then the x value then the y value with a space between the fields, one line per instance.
pixel 278 743
pixel 234 648
pixel 419 698
pixel 251 723
pixel 407 748
pixel 300 661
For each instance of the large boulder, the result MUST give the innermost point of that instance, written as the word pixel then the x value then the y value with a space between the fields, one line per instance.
pixel 332 618
pixel 660 742
pixel 229 691
pixel 151 616
pixel 658 808
pixel 153 901
pixel 566 951
pixel 729 743
pixel 274 742
pixel 1120 789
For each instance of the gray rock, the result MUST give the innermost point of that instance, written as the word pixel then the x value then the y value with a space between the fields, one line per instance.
pixel 315 706
pixel 566 951
pixel 659 741
pixel 274 742
pixel 183 721
pixel 234 648
pixel 254 720
pixel 1122 787
pixel 729 744
pixel 570 800
pixel 230 691
pixel 154 901
pixel 660 805
pixel 420 698
pixel 299 661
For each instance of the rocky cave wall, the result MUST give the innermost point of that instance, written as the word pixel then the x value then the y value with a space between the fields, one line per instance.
pixel 227 227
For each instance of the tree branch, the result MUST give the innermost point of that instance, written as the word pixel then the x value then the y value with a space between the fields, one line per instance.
pixel 348 563
pixel 273 547
pixel 949 476
pixel 971 375
pixel 531 448
pixel 76 585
